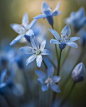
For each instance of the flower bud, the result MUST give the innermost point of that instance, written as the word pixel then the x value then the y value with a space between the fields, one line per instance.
pixel 78 74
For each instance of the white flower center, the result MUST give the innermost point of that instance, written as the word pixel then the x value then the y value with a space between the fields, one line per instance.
pixel 48 81
pixel 64 40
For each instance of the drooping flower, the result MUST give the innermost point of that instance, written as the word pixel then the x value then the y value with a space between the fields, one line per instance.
pixel 78 74
pixel 77 19
pixel 24 29
pixel 47 13
pixel 2 77
pixel 64 39
pixel 48 80
pixel 36 51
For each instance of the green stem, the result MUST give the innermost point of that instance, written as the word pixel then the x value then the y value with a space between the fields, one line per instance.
pixel 44 64
pixel 67 97
pixel 59 60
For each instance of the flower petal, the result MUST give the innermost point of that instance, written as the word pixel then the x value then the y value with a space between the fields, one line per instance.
pixel 27 50
pixel 53 41
pixel 16 39
pixel 56 79
pixel 25 20
pixel 43 45
pixel 30 32
pixel 39 60
pixel 56 13
pixel 34 42
pixel 44 88
pixel 3 74
pixel 44 6
pixel 72 44
pixel 56 35
pixel 66 31
pixel 74 39
pixel 40 80
pixel 30 59
pixel 39 16
pixel 17 28
pixel 57 7
pixel 45 52
pixel 32 23
pixel 2 85
pixel 50 71
pixel 40 74
pixel 55 88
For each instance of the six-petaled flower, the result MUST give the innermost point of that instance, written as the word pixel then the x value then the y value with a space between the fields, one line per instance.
pixel 36 51
pixel 24 29
pixel 48 80
pixel 47 13
pixel 64 39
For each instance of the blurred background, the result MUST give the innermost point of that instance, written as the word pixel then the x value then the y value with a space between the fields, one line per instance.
pixel 23 89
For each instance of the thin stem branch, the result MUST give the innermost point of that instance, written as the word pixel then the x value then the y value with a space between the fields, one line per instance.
pixel 67 97
pixel 59 60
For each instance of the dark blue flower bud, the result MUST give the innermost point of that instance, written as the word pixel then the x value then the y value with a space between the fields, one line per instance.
pixel 62 46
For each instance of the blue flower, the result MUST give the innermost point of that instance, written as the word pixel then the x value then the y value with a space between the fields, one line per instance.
pixel 64 40
pixel 77 19
pixel 82 34
pixel 48 80
pixel 78 74
pixel 47 13
pixel 2 77
pixel 36 51
pixel 25 29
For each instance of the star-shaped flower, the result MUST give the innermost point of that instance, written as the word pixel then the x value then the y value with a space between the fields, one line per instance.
pixel 64 39
pixel 47 13
pixel 23 29
pixel 36 51
pixel 77 19
pixel 2 77
pixel 48 80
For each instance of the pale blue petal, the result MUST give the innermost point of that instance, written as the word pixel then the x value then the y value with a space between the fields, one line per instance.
pixel 3 74
pixel 43 45
pixel 40 16
pixel 40 74
pixel 56 79
pixel 38 60
pixel 50 71
pixel 30 59
pixel 27 50
pixel 40 80
pixel 53 41
pixel 45 88
pixel 17 28
pixel 47 12
pixel 57 7
pixel 55 88
pixel 66 31
pixel 44 6
pixel 34 42
pixel 16 39
pixel 32 23
pixel 25 20
pixel 30 32
pixel 56 13
pixel 74 39
pixel 56 35
pixel 72 44
pixel 45 52
pixel 2 85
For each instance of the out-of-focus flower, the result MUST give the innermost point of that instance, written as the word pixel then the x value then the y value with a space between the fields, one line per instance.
pixel 77 19
pixel 82 34
pixel 64 40
pixel 48 80
pixel 47 13
pixel 78 74
pixel 24 30
pixel 2 77
pixel 36 51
